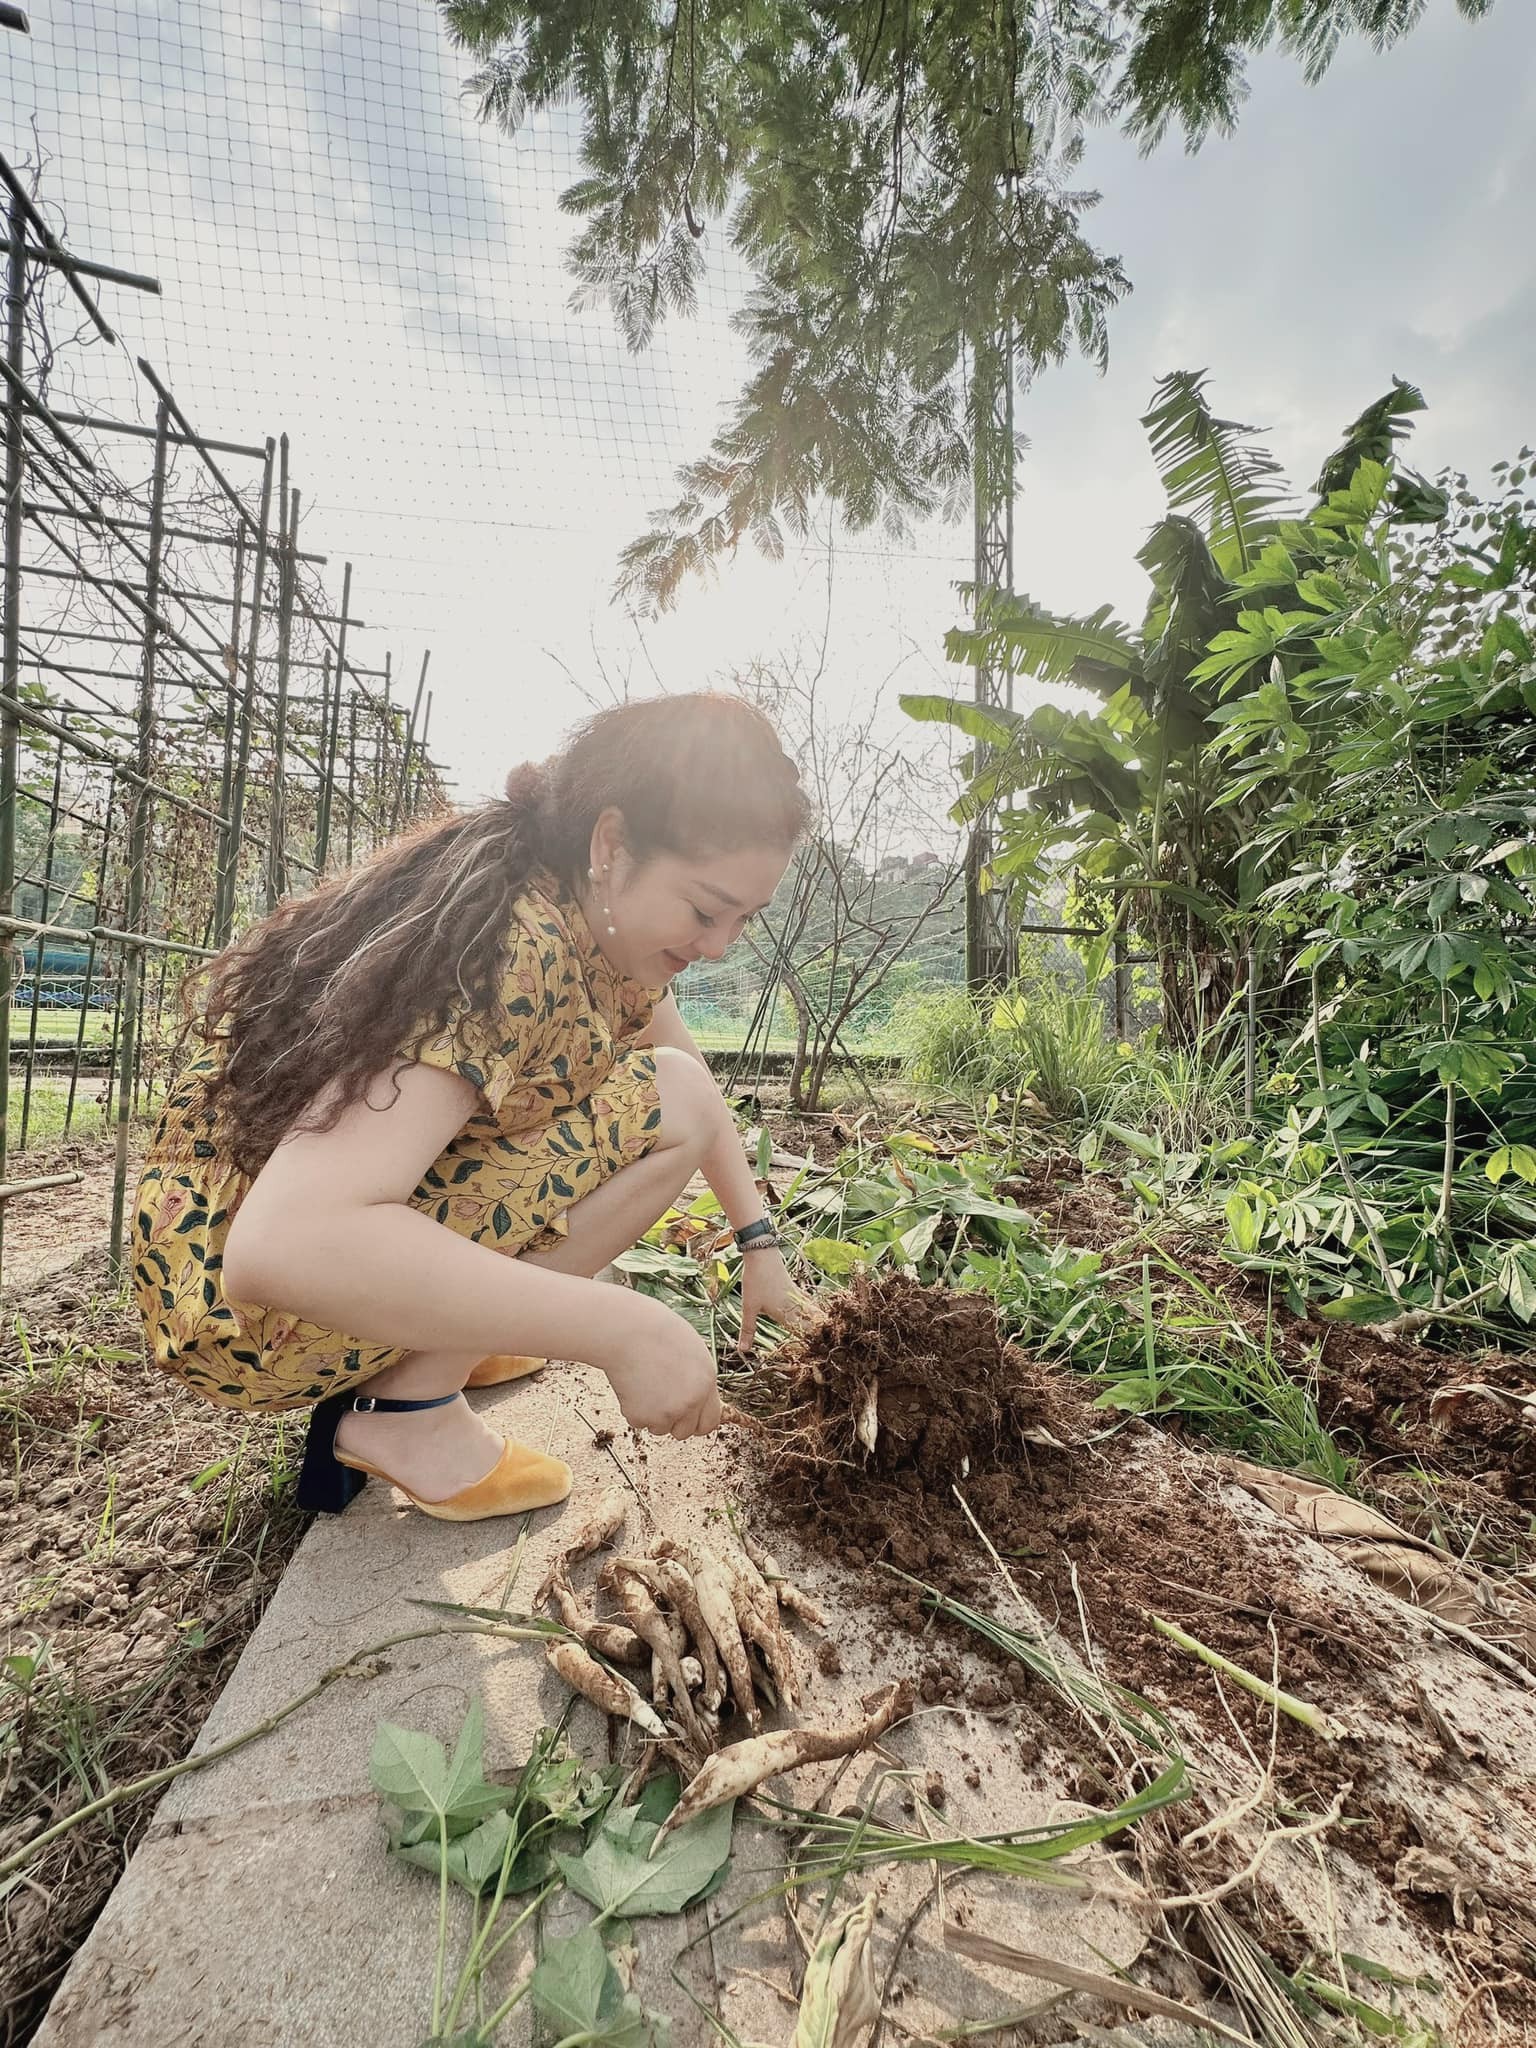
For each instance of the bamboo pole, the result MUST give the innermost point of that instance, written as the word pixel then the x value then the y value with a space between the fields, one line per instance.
pixel 138 848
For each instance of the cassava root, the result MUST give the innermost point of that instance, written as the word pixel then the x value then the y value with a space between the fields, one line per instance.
pixel 734 1772
pixel 706 1623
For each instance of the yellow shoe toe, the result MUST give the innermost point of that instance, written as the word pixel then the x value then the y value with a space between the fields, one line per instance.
pixel 521 1480
pixel 502 1366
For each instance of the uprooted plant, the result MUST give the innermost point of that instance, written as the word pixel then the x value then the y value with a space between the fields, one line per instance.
pixel 706 1621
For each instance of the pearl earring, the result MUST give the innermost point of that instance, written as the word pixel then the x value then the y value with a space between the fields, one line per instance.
pixel 612 928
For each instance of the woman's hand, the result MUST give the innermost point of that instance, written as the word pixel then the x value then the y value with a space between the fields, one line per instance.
pixel 767 1290
pixel 661 1370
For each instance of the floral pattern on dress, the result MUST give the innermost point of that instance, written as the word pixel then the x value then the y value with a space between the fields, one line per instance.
pixel 568 1097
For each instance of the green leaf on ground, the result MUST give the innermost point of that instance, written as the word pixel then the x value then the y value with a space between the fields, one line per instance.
pixel 1357 1308
pixel 555 1794
pixel 576 1991
pixel 413 1772
pixel 834 1256
pixel 661 1794
pixel 475 1859
pixel 569 1982
pixel 1517 1276
pixel 618 1875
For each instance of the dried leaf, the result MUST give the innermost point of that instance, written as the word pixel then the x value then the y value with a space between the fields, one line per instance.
pixel 981 1948
pixel 840 2001
pixel 1400 1564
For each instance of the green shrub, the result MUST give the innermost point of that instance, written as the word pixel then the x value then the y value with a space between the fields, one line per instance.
pixel 1055 1045
pixel 1039 1037
pixel 946 1045
pixel 1189 1096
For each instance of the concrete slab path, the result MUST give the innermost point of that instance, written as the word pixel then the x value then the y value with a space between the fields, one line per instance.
pixel 262 1907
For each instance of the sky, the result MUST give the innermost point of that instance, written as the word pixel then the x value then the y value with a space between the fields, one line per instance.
pixel 347 256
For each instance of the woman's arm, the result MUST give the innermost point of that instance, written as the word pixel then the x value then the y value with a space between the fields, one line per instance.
pixel 325 1232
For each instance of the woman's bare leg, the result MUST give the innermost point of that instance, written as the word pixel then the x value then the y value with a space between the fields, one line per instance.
pixel 437 1452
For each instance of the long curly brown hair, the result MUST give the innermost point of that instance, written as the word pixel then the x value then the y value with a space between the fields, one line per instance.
pixel 327 991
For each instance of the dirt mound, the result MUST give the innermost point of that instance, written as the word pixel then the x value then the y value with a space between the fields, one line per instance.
pixel 1474 1419
pixel 906 1407
pixel 915 1384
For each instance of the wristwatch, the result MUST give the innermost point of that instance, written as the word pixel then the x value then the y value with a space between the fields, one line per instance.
pixel 758 1237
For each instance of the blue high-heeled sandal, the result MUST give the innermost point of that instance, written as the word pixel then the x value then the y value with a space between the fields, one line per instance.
pixel 325 1484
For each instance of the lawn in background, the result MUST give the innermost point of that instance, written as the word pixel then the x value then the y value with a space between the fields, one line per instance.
pixel 56 1027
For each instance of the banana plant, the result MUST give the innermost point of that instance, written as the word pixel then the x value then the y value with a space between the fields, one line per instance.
pixel 1130 794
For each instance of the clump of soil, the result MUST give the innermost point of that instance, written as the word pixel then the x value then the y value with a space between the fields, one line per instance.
pixel 911 1383
pixel 141 1534
pixel 906 1394
pixel 1102 1525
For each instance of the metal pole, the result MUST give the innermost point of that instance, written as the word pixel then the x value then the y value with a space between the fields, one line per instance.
pixel 351 773
pixel 231 875
pixel 386 729
pixel 277 851
pixel 138 845
pixel 1251 1037
pixel 10 725
pixel 330 719
pixel 90 956
pixel 421 758
pixel 346 620
pixel 138 1033
pixel 329 739
pixel 989 944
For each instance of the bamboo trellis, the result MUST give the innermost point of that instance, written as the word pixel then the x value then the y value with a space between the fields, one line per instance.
pixel 187 732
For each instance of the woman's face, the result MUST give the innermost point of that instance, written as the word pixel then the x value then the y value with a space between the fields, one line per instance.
pixel 670 911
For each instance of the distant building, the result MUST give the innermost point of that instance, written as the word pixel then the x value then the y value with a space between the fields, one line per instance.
pixel 902 867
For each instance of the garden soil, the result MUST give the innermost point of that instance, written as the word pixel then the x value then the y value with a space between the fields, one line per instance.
pixel 905 1409
pixel 1385 1398
pixel 139 1544
pixel 902 1412
pixel 50 1230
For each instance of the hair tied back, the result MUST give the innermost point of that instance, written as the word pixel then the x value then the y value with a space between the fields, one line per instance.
pixel 527 791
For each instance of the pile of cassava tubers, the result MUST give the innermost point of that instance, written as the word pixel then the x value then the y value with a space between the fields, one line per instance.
pixel 706 1625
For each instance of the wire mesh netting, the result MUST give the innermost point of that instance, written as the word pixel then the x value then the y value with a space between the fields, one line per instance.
pixel 188 734
pixel 299 241
pixel 347 251
pixel 388 574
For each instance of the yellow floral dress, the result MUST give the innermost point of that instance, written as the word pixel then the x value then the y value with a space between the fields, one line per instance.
pixel 567 1099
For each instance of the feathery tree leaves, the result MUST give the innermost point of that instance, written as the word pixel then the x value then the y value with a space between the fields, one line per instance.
pixel 898 181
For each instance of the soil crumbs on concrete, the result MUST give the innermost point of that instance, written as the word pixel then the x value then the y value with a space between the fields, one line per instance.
pixel 906 1401
pixel 141 1534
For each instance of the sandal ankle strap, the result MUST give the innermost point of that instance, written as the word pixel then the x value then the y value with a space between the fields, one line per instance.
pixel 368 1404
